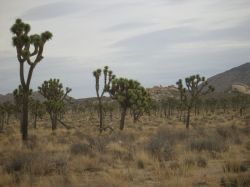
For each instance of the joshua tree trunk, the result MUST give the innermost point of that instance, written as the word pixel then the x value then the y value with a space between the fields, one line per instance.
pixel 188 118
pixel 35 119
pixel 100 115
pixel 53 117
pixel 2 123
pixel 111 116
pixel 24 124
pixel 123 115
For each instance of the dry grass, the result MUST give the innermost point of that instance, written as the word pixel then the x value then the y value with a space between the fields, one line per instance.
pixel 160 152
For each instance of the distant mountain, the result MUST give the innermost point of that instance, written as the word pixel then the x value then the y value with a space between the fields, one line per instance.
pixel 223 82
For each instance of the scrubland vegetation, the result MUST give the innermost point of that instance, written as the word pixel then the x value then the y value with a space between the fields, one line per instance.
pixel 127 139
pixel 156 151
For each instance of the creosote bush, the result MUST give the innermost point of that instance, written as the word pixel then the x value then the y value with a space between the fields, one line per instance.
pixel 80 148
pixel 37 163
pixel 230 134
pixel 211 144
pixel 234 167
pixel 160 148
pixel 201 162
pixel 240 180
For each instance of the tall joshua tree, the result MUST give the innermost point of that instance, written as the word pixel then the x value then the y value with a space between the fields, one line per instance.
pixel 126 92
pixel 196 86
pixel 18 102
pixel 107 78
pixel 29 50
pixel 53 91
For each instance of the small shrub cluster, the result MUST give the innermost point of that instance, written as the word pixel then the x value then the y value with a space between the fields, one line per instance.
pixel 201 162
pixel 241 180
pixel 160 148
pixel 80 148
pixel 234 167
pixel 210 144
pixel 37 163
pixel 198 161
pixel 140 164
pixel 247 145
pixel 229 133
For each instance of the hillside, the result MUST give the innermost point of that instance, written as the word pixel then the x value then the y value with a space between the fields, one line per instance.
pixel 223 82
pixel 9 97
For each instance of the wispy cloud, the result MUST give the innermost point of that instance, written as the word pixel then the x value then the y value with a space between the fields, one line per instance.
pixel 52 10
pixel 128 26
pixel 155 42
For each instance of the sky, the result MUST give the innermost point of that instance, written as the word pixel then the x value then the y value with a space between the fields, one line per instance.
pixel 153 41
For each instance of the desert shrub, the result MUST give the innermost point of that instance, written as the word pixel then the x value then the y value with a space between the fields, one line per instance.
pixel 161 144
pixel 234 166
pixel 208 144
pixel 241 180
pixel 201 162
pixel 98 143
pixel 80 148
pixel 174 165
pixel 140 164
pixel 160 148
pixel 48 163
pixel 32 142
pixel 124 137
pixel 229 133
pixel 18 162
pixel 247 145
pixel 189 162
pixel 172 136
pixel 229 182
pixel 37 163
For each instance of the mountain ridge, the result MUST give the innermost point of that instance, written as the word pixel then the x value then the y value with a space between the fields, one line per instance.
pixel 223 82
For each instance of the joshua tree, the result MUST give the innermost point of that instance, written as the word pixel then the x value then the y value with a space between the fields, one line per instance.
pixel 141 103
pixel 37 110
pixel 108 77
pixel 53 91
pixel 2 116
pixel 18 102
pixel 126 92
pixel 8 107
pixel 195 87
pixel 29 49
pixel 167 104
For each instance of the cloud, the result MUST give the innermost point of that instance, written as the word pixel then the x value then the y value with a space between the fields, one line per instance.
pixel 52 10
pixel 127 26
pixel 158 41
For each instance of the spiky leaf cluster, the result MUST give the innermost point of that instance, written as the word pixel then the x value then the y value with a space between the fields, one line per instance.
pixel 129 93
pixel 18 97
pixel 37 108
pixel 195 86
pixel 107 78
pixel 28 46
pixel 54 93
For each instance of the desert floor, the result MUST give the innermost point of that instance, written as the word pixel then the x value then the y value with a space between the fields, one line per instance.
pixel 156 151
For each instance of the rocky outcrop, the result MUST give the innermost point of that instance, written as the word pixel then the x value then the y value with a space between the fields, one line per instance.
pixel 241 88
pixel 160 92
